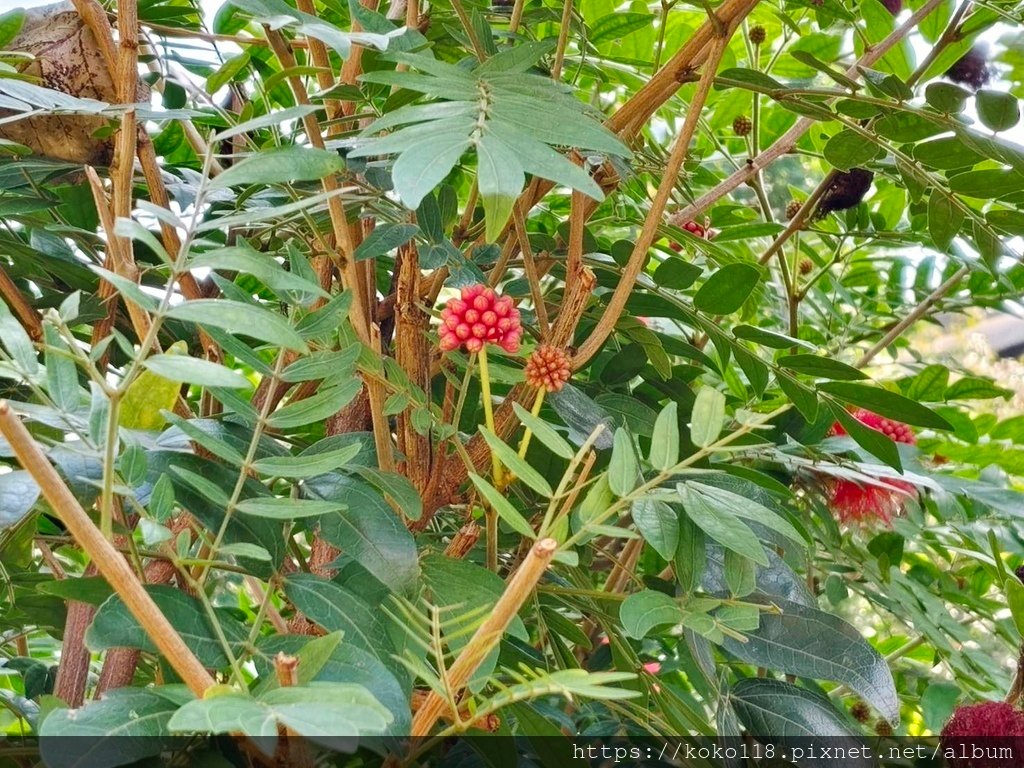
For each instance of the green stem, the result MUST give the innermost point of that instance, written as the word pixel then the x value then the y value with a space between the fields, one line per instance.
pixel 110 446
pixel 490 516
pixel 525 442
pixel 485 386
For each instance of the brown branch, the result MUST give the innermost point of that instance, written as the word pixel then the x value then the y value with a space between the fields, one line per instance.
pixel 336 209
pixel 110 564
pixel 519 587
pixel 22 310
pixel 413 355
pixel 652 222
pixel 788 140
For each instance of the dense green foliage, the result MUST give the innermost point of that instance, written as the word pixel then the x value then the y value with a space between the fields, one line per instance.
pixel 772 505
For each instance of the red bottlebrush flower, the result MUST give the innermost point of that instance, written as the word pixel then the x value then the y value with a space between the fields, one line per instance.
pixel 547 368
pixel 973 730
pixel 478 317
pixel 853 502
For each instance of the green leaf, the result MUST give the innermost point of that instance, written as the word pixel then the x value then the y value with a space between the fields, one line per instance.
pixel 318 710
pixel 944 220
pixel 725 291
pixel 325 403
pixel 193 370
pixel 871 440
pixel 306 464
pixel 384 239
pixel 324 365
pixel 987 184
pixel 946 97
pixel 464 587
pixel 126 726
pixel 286 509
pixel 784 714
pixel 886 403
pixel 821 367
pixel 17 342
pixel 18 494
pixel 804 398
pixel 997 111
pixel 849 149
pixel 643 611
pixel 1015 601
pixel 502 506
pixel 519 467
pixel 61 374
pixel 397 488
pixel 276 166
pixel 422 166
pixel 746 508
pixel 260 266
pixel 236 317
pixel 658 523
pixel 500 179
pixel 617 25
pixel 336 608
pixel 623 469
pixel 544 432
pixel 368 530
pixel 707 417
pixel 665 440
pixel 114 626
pixel 806 642
pixel 721 525
pixel 10 25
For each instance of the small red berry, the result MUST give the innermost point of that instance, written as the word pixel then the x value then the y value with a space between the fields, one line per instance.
pixel 694 229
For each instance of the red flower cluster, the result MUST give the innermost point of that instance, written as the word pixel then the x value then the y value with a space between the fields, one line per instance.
pixel 547 368
pixel 478 317
pixel 985 725
pixel 856 503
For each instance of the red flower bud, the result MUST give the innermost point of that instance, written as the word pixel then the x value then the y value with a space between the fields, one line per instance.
pixel 480 316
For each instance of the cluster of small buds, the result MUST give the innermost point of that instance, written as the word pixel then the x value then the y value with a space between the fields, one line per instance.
pixel 480 316
pixel 757 35
pixel 548 368
pixel 806 265
pixel 860 711
pixel 793 208
pixel 741 126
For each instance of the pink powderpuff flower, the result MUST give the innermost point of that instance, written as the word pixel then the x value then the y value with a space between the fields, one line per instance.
pixel 480 316
pixel 989 725
pixel 853 502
